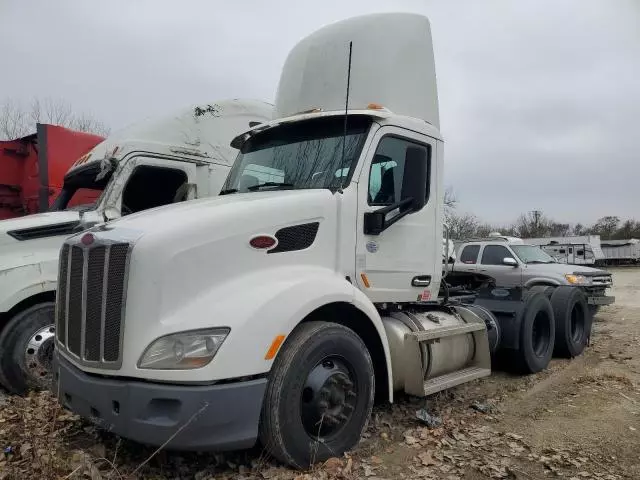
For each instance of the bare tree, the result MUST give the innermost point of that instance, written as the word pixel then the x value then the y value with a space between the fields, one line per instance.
pixel 462 226
pixel 16 120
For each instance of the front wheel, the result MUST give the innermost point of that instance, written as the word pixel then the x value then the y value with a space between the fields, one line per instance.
pixel 320 395
pixel 26 349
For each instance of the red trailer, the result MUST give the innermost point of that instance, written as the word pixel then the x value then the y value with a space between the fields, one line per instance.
pixel 32 168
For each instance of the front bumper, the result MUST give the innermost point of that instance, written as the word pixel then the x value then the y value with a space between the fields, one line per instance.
pixel 219 417
pixel 600 300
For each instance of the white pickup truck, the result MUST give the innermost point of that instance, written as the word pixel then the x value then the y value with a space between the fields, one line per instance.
pixel 155 162
pixel 281 309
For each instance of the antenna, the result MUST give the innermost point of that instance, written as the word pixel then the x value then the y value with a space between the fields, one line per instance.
pixel 346 111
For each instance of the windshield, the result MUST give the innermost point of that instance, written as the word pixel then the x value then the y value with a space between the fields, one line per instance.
pixel 531 254
pixel 82 188
pixel 302 155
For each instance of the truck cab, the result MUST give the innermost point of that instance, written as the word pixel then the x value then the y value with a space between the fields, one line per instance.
pixel 282 308
pixel 149 164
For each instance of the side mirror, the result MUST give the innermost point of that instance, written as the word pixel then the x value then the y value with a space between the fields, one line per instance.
pixel 509 261
pixel 414 180
pixel 414 192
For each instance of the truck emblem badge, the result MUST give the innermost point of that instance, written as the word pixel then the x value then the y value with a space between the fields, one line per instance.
pixel 372 247
pixel 500 292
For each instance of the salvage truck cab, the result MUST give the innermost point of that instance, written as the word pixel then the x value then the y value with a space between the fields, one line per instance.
pixel 155 162
pixel 280 309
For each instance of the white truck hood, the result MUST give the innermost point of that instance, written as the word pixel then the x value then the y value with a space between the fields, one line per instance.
pixel 11 228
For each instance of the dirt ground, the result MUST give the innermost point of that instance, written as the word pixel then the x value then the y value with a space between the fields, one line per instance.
pixel 579 419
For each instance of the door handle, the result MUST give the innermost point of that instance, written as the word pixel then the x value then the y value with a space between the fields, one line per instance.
pixel 421 281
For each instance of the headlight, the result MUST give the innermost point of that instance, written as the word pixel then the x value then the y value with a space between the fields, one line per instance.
pixel 577 279
pixel 183 350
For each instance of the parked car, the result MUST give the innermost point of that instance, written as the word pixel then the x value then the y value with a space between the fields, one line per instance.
pixel 512 262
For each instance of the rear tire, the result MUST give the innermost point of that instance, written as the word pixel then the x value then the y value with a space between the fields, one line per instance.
pixel 26 349
pixel 573 321
pixel 537 334
pixel 320 395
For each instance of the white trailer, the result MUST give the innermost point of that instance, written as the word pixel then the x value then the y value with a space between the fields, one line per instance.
pixel 280 309
pixel 575 250
pixel 621 252
pixel 161 160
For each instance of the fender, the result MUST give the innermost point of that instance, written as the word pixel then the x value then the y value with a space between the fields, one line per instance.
pixel 20 282
pixel 541 281
pixel 257 307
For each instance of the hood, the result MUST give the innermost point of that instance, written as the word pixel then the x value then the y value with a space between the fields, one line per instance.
pixel 182 251
pixel 222 212
pixel 563 268
pixel 37 226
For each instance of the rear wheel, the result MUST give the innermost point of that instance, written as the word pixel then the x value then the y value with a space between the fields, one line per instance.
pixel 26 349
pixel 546 289
pixel 573 321
pixel 320 395
pixel 537 334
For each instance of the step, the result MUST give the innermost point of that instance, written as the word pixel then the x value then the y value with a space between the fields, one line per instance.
pixel 441 332
pixel 449 380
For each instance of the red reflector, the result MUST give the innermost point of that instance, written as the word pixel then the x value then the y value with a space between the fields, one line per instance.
pixel 263 242
pixel 87 239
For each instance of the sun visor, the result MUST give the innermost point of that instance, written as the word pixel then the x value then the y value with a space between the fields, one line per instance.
pixel 392 65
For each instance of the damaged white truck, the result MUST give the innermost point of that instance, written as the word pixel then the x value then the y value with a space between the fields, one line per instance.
pixel 154 162
pixel 279 310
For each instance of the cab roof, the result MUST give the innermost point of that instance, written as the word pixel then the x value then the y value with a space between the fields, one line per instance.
pixel 201 131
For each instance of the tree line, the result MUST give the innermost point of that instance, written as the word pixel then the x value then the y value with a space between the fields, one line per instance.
pixel 535 224
pixel 19 119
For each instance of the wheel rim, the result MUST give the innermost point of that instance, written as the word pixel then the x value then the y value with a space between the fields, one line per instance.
pixel 577 323
pixel 328 398
pixel 540 334
pixel 38 355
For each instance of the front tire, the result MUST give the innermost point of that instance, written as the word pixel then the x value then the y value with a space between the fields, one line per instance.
pixel 320 395
pixel 26 349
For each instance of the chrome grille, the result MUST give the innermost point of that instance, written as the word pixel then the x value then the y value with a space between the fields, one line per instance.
pixel 91 292
pixel 603 280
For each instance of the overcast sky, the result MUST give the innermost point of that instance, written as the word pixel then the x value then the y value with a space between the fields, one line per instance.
pixel 539 100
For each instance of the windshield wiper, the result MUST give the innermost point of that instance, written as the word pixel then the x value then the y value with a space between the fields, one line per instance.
pixel 228 190
pixel 253 188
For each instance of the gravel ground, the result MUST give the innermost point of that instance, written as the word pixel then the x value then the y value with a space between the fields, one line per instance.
pixel 577 420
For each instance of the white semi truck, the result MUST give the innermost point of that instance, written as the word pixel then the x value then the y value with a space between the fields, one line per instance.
pixel 158 161
pixel 279 310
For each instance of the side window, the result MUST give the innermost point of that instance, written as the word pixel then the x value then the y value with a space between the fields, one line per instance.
pixel 570 249
pixel 84 196
pixel 387 170
pixel 494 254
pixel 469 254
pixel 150 187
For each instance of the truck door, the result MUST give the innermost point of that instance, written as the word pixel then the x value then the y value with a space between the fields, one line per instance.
pixel 388 263
pixel 492 264
pixel 148 182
